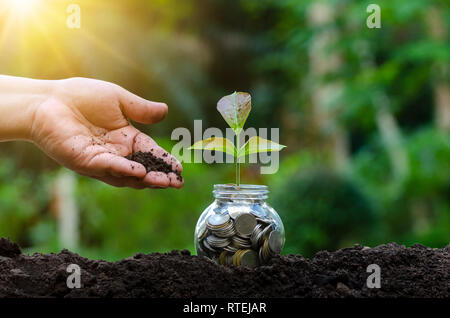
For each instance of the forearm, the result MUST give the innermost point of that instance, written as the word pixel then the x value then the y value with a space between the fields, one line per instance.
pixel 19 97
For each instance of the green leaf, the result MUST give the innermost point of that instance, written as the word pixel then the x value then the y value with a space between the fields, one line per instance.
pixel 234 109
pixel 257 144
pixel 215 143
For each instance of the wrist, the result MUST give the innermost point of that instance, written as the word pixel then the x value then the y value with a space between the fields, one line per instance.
pixel 19 100
pixel 39 112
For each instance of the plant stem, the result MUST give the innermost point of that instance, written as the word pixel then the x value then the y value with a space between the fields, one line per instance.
pixel 238 168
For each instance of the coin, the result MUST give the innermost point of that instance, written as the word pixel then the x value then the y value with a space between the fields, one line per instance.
pixel 244 224
pixel 226 230
pixel 234 212
pixel 226 258
pixel 275 242
pixel 203 232
pixel 241 242
pixel 265 250
pixel 217 242
pixel 216 220
pixel 230 248
pixel 236 259
pixel 220 208
pixel 258 211
pixel 255 235
pixel 259 238
pixel 223 258
pixel 249 258
pixel 235 235
pixel 263 221
pixel 208 249
pixel 237 208
pixel 266 231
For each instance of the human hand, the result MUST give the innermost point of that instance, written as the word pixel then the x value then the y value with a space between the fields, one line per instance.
pixel 84 126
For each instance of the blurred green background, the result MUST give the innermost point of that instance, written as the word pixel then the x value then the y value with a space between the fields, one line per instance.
pixel 365 114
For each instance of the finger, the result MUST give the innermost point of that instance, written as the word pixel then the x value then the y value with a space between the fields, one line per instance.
pixel 110 164
pixel 140 109
pixel 144 143
pixel 156 178
pixel 175 181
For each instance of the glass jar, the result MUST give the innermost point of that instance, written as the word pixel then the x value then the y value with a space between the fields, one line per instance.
pixel 239 227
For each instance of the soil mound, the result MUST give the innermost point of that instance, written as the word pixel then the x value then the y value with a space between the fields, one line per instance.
pixel 8 248
pixel 417 271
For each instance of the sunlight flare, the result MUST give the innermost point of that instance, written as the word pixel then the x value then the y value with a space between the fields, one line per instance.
pixel 22 7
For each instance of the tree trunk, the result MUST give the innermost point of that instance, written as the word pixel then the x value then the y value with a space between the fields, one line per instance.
pixel 391 137
pixel 322 63
pixel 65 208
pixel 438 32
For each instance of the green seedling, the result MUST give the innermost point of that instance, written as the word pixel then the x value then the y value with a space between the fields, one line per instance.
pixel 235 109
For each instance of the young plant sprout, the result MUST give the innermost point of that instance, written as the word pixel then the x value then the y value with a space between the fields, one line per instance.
pixel 235 109
pixel 239 227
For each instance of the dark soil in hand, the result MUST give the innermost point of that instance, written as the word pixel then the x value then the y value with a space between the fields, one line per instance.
pixel 417 271
pixel 152 163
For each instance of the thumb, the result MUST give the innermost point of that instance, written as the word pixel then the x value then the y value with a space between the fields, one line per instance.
pixel 141 110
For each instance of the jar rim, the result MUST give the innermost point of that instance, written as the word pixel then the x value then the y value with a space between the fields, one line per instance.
pixel 241 192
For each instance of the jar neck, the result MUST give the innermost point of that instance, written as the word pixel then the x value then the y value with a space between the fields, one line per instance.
pixel 241 192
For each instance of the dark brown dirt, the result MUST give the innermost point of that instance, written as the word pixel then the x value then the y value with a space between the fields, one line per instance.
pixel 8 249
pixel 417 271
pixel 152 163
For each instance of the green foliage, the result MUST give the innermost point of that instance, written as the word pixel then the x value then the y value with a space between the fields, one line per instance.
pixel 322 210
pixel 418 209
pixel 22 199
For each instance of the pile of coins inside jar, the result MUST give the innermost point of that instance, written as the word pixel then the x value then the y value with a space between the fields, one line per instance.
pixel 239 238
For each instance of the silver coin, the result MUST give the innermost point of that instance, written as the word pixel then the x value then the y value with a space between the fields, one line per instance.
pixel 255 234
pixel 208 249
pixel 238 208
pixel 258 211
pixel 218 219
pixel 230 248
pixel 234 210
pixel 217 242
pixel 266 231
pixel 226 231
pixel 220 209
pixel 234 213
pixel 259 238
pixel 244 224
pixel 202 232
pixel 264 221
pixel 241 242
pixel 275 242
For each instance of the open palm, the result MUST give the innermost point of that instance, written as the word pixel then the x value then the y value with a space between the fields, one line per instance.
pixel 85 127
